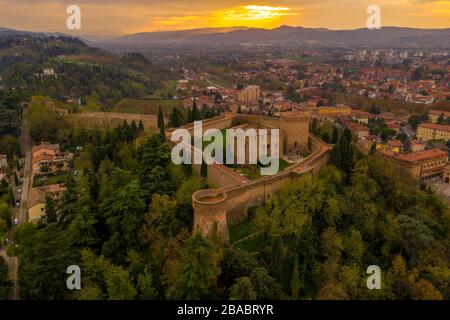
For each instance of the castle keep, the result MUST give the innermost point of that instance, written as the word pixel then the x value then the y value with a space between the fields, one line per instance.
pixel 215 210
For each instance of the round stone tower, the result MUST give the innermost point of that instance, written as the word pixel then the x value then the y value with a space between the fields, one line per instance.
pixel 210 213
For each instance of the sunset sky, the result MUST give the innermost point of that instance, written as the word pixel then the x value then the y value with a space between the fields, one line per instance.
pixel 117 17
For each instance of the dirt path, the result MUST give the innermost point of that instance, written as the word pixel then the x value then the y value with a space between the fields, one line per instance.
pixel 246 238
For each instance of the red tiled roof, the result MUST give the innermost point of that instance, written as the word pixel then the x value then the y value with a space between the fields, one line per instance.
pixel 395 143
pixel 416 156
pixel 43 157
pixel 53 147
pixel 439 112
pixel 435 126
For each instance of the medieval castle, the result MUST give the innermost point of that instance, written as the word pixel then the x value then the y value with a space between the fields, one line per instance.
pixel 217 209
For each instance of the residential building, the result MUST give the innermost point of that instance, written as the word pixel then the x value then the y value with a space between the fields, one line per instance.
pixel 360 116
pixel 36 200
pixel 446 176
pixel 436 114
pixel 357 129
pixel 249 93
pixel 334 111
pixel 47 158
pixel 432 131
pixel 395 145
pixel 420 165
pixel 418 145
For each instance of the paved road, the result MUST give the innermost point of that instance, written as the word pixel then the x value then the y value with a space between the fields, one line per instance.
pixel 20 213
pixel 25 141
pixel 214 84
pixel 12 268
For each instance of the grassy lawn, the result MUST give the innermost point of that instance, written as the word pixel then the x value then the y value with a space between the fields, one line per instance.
pixel 201 83
pixel 40 181
pixel 251 171
pixel 240 230
pixel 168 89
pixel 220 81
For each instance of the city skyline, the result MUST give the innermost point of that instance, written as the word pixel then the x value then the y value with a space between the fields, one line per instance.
pixel 125 17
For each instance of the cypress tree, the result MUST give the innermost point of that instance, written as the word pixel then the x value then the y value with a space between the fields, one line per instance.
pixel 174 120
pixel 277 258
pixel 141 125
pixel 187 169
pixel 133 129
pixel 189 115
pixel 160 118
pixel 342 153
pixel 162 131
pixel 204 169
pixel 195 113
pixel 295 280
pixel 335 136
pixel 314 126
pixel 373 148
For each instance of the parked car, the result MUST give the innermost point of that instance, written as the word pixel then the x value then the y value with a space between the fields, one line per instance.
pixel 18 204
pixel 16 221
pixel 19 191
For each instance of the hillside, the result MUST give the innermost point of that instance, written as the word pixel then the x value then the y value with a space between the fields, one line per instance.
pixel 80 71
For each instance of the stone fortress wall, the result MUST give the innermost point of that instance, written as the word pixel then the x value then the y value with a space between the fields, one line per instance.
pixel 110 119
pixel 218 209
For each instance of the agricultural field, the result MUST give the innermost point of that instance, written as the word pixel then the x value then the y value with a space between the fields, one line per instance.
pixel 167 91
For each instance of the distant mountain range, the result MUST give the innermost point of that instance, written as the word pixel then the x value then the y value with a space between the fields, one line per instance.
pixel 394 37
pixel 286 35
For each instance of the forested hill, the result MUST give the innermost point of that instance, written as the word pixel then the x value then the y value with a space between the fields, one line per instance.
pixel 80 71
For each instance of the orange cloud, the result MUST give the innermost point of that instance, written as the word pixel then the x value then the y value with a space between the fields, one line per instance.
pixel 252 16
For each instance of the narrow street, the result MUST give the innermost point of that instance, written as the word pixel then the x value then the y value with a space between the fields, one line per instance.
pixel 214 84
pixel 20 213
pixel 25 141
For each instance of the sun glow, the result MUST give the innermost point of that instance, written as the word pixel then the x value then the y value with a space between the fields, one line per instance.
pixel 253 15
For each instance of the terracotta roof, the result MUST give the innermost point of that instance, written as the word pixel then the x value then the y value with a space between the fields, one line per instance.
pixel 37 195
pixel 415 156
pixel 43 157
pixel 353 126
pixel 434 126
pixel 360 113
pixel 417 142
pixel 53 147
pixel 395 143
pixel 439 112
pixel 292 115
